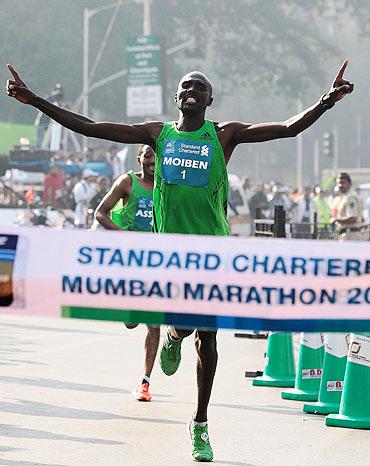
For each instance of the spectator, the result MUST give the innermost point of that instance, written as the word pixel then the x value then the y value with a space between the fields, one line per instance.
pixel 83 192
pixel 247 187
pixel 238 209
pixel 322 206
pixel 303 215
pixel 123 156
pixel 279 198
pixel 72 159
pixel 88 155
pixel 65 198
pixel 100 153
pixel 305 208
pixel 257 203
pixel 5 198
pixel 103 187
pixel 348 220
pixel 114 160
pixel 54 182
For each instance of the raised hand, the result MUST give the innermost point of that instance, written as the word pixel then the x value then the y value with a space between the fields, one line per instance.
pixel 340 87
pixel 16 88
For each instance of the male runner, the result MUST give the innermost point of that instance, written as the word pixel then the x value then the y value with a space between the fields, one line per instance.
pixel 197 179
pixel 128 206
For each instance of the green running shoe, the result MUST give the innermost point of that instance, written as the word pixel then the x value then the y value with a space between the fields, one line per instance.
pixel 202 450
pixel 170 355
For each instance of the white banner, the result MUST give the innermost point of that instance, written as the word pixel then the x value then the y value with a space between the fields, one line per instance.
pixel 186 280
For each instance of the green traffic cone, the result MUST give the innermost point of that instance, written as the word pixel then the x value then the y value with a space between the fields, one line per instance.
pixel 279 362
pixel 332 380
pixel 307 381
pixel 354 411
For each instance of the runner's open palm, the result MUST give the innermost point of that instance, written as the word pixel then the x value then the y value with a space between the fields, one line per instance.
pixel 340 87
pixel 16 88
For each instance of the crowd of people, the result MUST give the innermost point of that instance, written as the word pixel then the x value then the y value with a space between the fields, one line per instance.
pixel 70 181
pixel 79 191
pixel 303 207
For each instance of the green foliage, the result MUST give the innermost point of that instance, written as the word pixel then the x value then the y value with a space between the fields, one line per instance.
pixel 269 45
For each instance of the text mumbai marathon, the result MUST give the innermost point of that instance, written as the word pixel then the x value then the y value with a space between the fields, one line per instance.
pixel 260 295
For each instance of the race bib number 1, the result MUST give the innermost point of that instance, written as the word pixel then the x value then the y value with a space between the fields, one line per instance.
pixel 186 162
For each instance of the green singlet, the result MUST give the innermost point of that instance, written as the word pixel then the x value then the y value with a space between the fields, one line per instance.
pixel 191 185
pixel 136 215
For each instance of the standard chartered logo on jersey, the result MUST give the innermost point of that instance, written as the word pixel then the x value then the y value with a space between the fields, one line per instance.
pixel 186 162
pixel 204 151
pixel 184 148
pixel 170 147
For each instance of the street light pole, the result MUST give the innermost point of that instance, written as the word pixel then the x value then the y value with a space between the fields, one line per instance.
pixel 85 61
pixel 316 162
pixel 299 149
pixel 86 76
pixel 146 18
pixel 85 71
pixel 335 148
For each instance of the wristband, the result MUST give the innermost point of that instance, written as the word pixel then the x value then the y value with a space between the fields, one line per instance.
pixel 327 102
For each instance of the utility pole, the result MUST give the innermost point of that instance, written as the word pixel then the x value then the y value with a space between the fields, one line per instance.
pixel 299 149
pixel 359 140
pixel 316 162
pixel 146 18
pixel 335 149
pixel 85 72
pixel 86 77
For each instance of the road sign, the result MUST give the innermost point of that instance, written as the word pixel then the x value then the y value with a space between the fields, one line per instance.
pixel 145 87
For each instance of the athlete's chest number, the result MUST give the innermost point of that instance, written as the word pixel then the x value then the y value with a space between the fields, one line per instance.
pixel 186 162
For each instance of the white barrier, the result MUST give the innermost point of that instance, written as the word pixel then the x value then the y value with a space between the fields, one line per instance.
pixel 187 280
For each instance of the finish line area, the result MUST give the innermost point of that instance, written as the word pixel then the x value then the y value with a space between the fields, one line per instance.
pixel 65 395
pixel 66 382
pixel 188 281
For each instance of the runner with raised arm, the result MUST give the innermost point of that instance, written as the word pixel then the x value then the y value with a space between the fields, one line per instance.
pixel 191 188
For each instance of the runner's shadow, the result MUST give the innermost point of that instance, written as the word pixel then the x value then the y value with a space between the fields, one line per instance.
pixel 53 329
pixel 33 408
pixel 12 431
pixel 61 385
pixel 12 345
pixel 65 385
pixel 25 463
pixel 263 409
pixel 233 463
pixel 10 449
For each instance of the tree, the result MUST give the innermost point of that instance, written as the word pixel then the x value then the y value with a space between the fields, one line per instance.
pixel 279 46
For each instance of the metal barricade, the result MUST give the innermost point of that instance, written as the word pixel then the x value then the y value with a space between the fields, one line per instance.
pixel 268 228
pixel 279 228
pixel 312 230
pixel 325 231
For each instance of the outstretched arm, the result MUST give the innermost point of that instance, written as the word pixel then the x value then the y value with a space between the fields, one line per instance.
pixel 298 123
pixel 144 133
